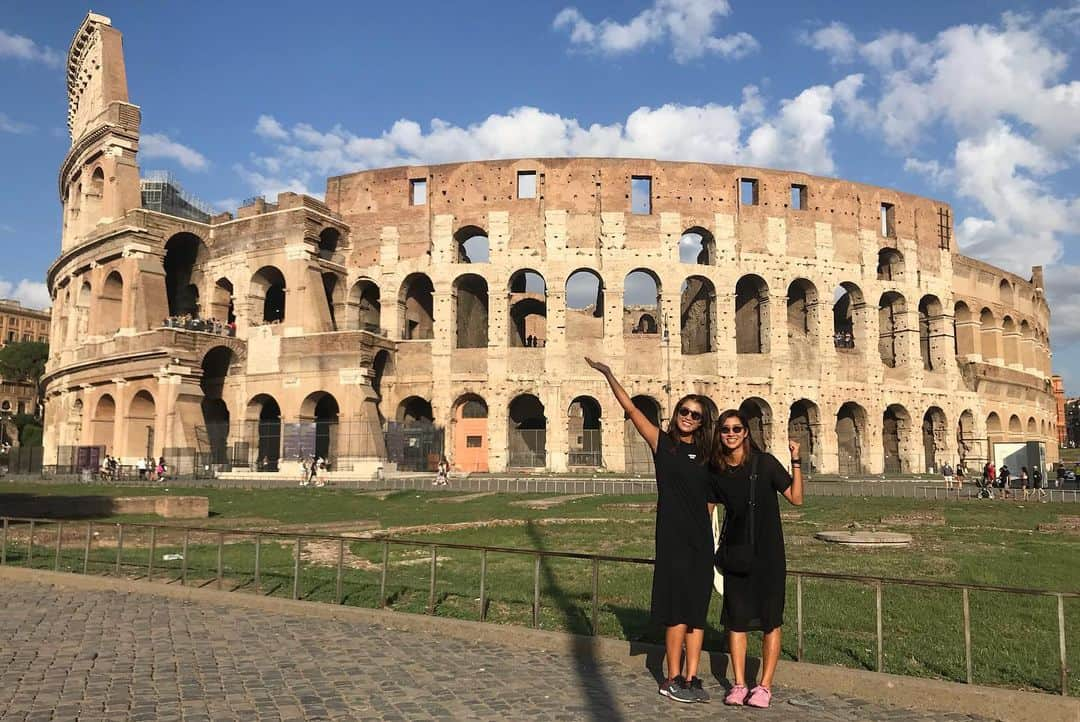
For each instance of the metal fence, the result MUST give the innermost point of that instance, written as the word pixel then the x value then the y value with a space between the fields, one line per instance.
pixel 527 448
pixel 213 557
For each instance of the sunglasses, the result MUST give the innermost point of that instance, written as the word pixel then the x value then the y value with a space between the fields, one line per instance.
pixel 695 415
pixel 731 429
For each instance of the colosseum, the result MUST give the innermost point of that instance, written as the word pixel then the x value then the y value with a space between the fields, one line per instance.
pixel 447 309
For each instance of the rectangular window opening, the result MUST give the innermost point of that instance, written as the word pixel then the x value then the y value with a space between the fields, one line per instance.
pixel 798 197
pixel 418 191
pixel 473 442
pixel 748 191
pixel 526 184
pixel 888 220
pixel 945 228
pixel 641 194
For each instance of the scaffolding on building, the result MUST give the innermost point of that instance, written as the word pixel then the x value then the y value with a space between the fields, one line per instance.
pixel 162 193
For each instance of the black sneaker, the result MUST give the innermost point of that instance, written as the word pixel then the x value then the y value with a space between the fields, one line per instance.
pixel 677 689
pixel 696 689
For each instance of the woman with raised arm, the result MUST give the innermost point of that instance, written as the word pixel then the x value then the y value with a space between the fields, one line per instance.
pixel 747 482
pixel 683 572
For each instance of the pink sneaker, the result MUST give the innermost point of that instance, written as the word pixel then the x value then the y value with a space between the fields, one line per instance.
pixel 736 696
pixel 759 697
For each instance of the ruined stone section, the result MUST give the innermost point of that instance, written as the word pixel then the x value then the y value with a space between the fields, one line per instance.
pixel 465 296
pixel 865 539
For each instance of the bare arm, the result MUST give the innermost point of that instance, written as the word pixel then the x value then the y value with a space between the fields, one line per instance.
pixel 794 493
pixel 646 428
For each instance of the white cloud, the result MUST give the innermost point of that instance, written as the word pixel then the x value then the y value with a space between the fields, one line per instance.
pixel 21 47
pixel 834 39
pixel 7 125
pixel 688 25
pixel 268 127
pixel 159 145
pixel 32 294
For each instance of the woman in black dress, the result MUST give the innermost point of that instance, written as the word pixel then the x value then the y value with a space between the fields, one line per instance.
pixel 683 572
pixel 753 601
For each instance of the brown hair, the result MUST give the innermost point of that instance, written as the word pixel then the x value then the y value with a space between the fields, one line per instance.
pixel 703 435
pixel 721 457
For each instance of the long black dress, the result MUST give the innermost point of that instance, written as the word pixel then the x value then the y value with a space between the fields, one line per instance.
pixel 682 578
pixel 755 601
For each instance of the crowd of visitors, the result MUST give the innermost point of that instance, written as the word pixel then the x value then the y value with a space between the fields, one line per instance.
pixel 146 469
pixel 206 325
pixel 314 471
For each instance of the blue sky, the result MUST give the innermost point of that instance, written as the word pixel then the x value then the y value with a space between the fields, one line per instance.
pixel 974 103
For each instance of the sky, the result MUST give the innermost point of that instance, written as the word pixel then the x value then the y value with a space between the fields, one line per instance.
pixel 976 104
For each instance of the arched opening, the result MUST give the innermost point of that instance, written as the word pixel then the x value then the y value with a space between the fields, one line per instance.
pixel 751 315
pixel 584 305
pixel 965 437
pixel 850 432
pixel 527 304
pixel 471 434
pixel 415 410
pixel 381 366
pixel 416 303
pixel 108 316
pixel 268 294
pixel 758 415
pixel 697 245
pixel 933 437
pixel 221 305
pixel 964 330
pixel 697 316
pixel 326 425
pixel 993 424
pixel 215 369
pixel 585 435
pixel 1010 341
pixel 1027 345
pixel 526 433
pixel 891 310
pixel 264 411
pixel 848 310
pixel 471 311
pixel 414 441
pixel 1005 292
pixel 330 291
pixel 95 195
pixel 1032 428
pixel 895 425
pixel 803 424
pixel 803 327
pixel 636 452
pixel 102 423
pixel 140 426
pixel 328 242
pixel 1015 427
pixel 931 333
pixel 365 308
pixel 641 298
pixel 183 253
pixel 989 336
pixel 82 310
pixel 890 265
pixel 472 245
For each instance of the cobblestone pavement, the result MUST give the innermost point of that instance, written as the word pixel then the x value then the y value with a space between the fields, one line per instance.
pixel 100 655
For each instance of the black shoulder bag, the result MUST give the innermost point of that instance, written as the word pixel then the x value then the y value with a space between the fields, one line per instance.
pixel 738 558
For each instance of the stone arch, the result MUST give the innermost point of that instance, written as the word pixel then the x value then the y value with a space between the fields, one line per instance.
pixel 1032 427
pixel 332 291
pixel 804 426
pixel 527 306
pixel 365 308
pixel 933 345
pixel 185 254
pixel 95 197
pixel 895 427
pixel 215 411
pixel 584 304
pixel 850 439
pixel 526 433
pixel 636 452
pixel 1027 345
pixel 264 413
pixel 891 311
pixel 222 302
pixel 585 432
pixel 103 422
pixel 849 321
pixel 993 424
pixel 415 411
pixel 758 415
pixel 470 433
pixel 646 324
pixel 268 294
pixel 697 316
pixel 82 310
pixel 751 315
pixel 416 307
pixel 641 296
pixel 470 293
pixel 328 242
pixel 965 330
pixel 802 300
pixel 934 443
pixel 697 246
pixel 989 336
pixel 381 366
pixel 965 436
pixel 1010 341
pixel 108 316
pixel 890 266
pixel 322 408
pixel 472 245
pixel 140 423
pixel 1015 427
pixel 1005 292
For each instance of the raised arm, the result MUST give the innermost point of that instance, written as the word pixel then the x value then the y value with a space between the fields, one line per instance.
pixel 794 493
pixel 646 428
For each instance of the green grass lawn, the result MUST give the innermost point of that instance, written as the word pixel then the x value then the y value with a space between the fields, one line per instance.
pixel 1014 638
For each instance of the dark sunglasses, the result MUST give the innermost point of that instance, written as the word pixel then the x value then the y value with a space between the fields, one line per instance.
pixel 731 429
pixel 695 415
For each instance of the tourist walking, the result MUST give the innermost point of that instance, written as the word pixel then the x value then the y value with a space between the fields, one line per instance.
pixel 947 472
pixel 1037 482
pixel 1024 482
pixel 1003 481
pixel 683 571
pixel 751 551
pixel 442 473
pixel 162 469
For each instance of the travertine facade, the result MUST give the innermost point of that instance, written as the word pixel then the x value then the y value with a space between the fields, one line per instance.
pixel 837 312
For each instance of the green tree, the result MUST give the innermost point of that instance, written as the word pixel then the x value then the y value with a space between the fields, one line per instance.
pixel 24 362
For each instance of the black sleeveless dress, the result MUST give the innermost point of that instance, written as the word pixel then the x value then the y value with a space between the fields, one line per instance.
pixel 755 601
pixel 682 577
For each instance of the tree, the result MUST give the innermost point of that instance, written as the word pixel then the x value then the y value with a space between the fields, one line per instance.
pixel 24 362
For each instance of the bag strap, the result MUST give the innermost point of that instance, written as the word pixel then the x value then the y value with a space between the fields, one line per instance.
pixel 752 503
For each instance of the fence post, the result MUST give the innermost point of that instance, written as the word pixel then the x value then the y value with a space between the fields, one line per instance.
pixel 30 548
pixel 483 584
pixel 220 555
pixel 59 542
pixel 431 585
pixel 967 634
pixel 153 548
pixel 798 619
pixel 258 554
pixel 3 544
pixel 119 546
pixel 183 558
pixel 1061 645
pixel 536 593
pixel 340 568
pixel 595 595
pixel 382 580
pixel 86 548
pixel 880 636
pixel 296 569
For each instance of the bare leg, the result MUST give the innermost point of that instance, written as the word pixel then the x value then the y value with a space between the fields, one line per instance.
pixel 674 637
pixel 737 650
pixel 695 638
pixel 770 654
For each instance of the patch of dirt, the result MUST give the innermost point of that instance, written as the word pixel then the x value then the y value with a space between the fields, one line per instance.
pixel 381 494
pixel 544 504
pixel 648 507
pixel 791 515
pixel 461 498
pixel 1065 523
pixel 487 523
pixel 915 518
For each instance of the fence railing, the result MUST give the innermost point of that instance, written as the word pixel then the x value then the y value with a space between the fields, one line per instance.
pixel 212 555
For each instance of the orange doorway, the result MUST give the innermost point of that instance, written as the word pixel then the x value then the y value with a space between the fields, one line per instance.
pixel 470 435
